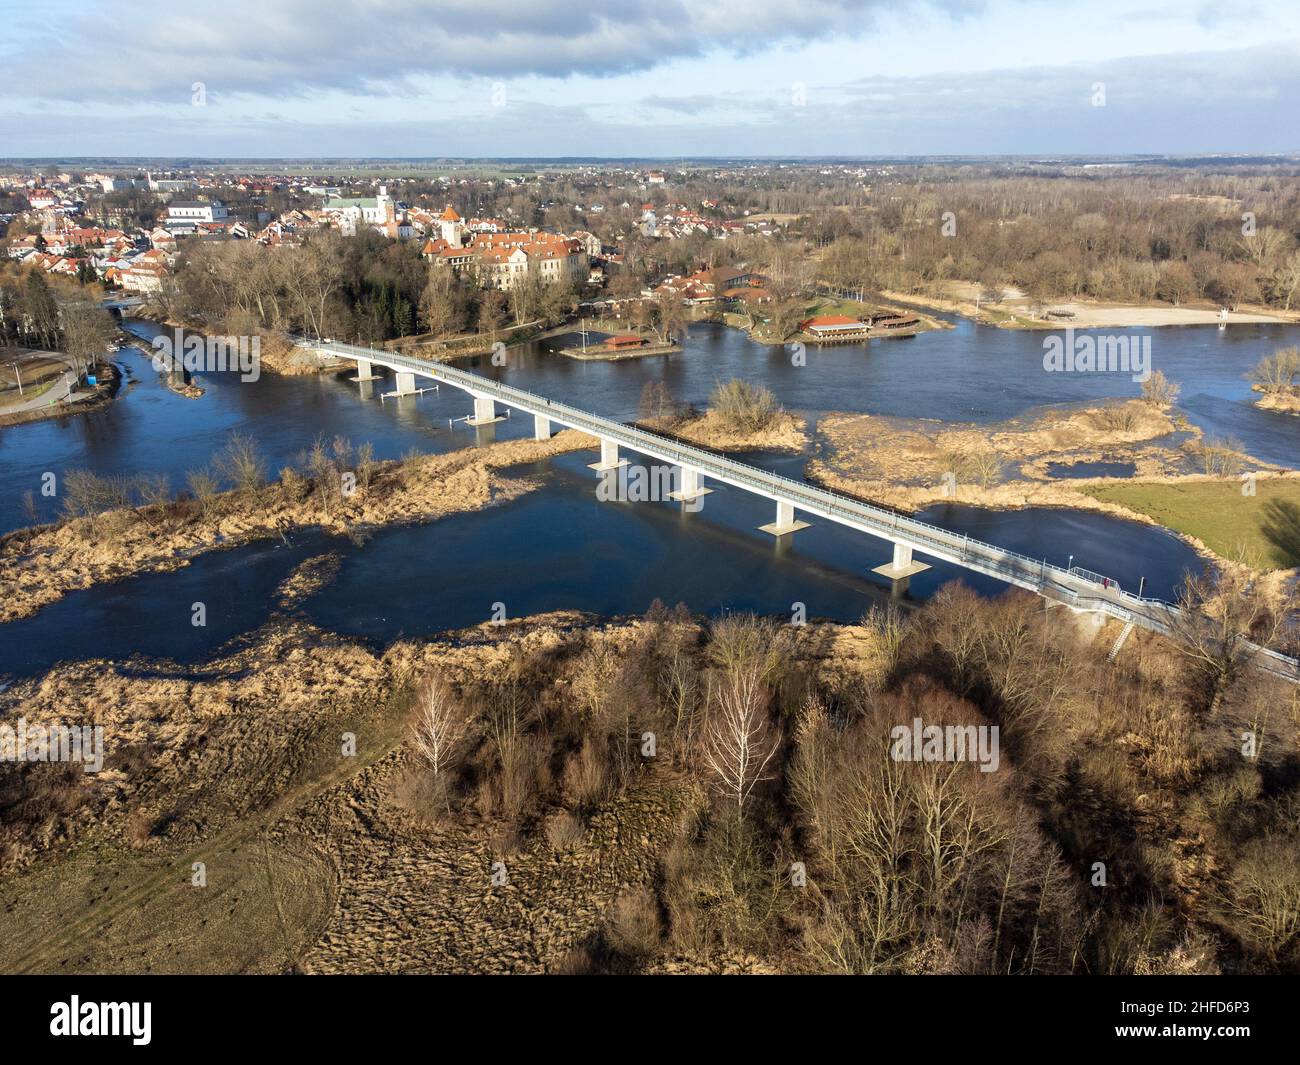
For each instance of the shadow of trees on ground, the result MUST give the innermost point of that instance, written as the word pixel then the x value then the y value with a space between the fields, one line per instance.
pixel 1281 527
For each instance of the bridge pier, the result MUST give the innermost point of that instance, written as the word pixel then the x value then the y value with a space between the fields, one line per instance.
pixel 692 485
pixel 405 383
pixel 365 371
pixel 902 567
pixel 609 459
pixel 485 412
pixel 541 427
pixel 785 521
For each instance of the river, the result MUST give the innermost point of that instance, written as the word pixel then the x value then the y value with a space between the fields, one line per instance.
pixel 558 547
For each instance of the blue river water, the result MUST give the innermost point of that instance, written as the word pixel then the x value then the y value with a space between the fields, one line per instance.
pixel 559 547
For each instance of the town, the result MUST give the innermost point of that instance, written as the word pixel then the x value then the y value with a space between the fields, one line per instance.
pixel 636 264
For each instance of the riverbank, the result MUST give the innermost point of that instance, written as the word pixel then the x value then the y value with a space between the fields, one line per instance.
pixel 1280 402
pixel 109 382
pixel 1018 311
pixel 1255 523
pixel 277 353
pixel 239 767
pixel 280 355
pixel 342 493
pixel 287 774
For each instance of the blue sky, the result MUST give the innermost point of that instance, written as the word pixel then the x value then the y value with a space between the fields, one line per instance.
pixel 644 78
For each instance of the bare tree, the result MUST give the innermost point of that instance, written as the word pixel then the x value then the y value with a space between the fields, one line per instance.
pixel 1159 391
pixel 491 312
pixel 440 724
pixel 739 738
pixel 744 406
pixel 1286 279
pixel 984 467
pixel 87 332
pixel 312 276
pixel 204 488
pixel 1262 899
pixel 1278 372
pixel 1224 621
pixel 440 308
pixel 669 318
pixel 241 464
pixel 659 404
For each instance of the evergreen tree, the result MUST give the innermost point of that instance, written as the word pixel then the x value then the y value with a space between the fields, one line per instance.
pixel 41 309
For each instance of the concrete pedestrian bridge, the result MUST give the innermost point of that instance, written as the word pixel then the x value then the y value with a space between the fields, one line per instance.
pixel 794 501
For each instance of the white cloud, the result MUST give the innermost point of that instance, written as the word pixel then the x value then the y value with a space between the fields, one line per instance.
pixel 152 48
pixel 287 78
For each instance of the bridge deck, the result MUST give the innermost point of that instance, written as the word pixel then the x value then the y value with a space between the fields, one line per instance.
pixel 1071 587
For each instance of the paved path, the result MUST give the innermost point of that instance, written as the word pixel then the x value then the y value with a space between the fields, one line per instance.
pixel 59 392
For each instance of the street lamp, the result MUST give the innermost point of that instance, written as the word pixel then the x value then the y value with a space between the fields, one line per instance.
pixel 1070 565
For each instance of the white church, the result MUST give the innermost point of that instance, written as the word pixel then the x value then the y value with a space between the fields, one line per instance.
pixel 379 212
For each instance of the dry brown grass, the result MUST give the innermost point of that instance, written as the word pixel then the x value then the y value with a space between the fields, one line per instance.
pixel 556 846
pixel 633 926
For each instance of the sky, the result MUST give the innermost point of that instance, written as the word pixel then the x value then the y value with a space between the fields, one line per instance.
pixel 647 78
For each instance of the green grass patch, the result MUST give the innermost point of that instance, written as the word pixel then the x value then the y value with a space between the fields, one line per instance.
pixel 11 397
pixel 1262 530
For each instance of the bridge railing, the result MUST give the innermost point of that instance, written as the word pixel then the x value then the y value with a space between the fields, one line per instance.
pixel 1090 575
